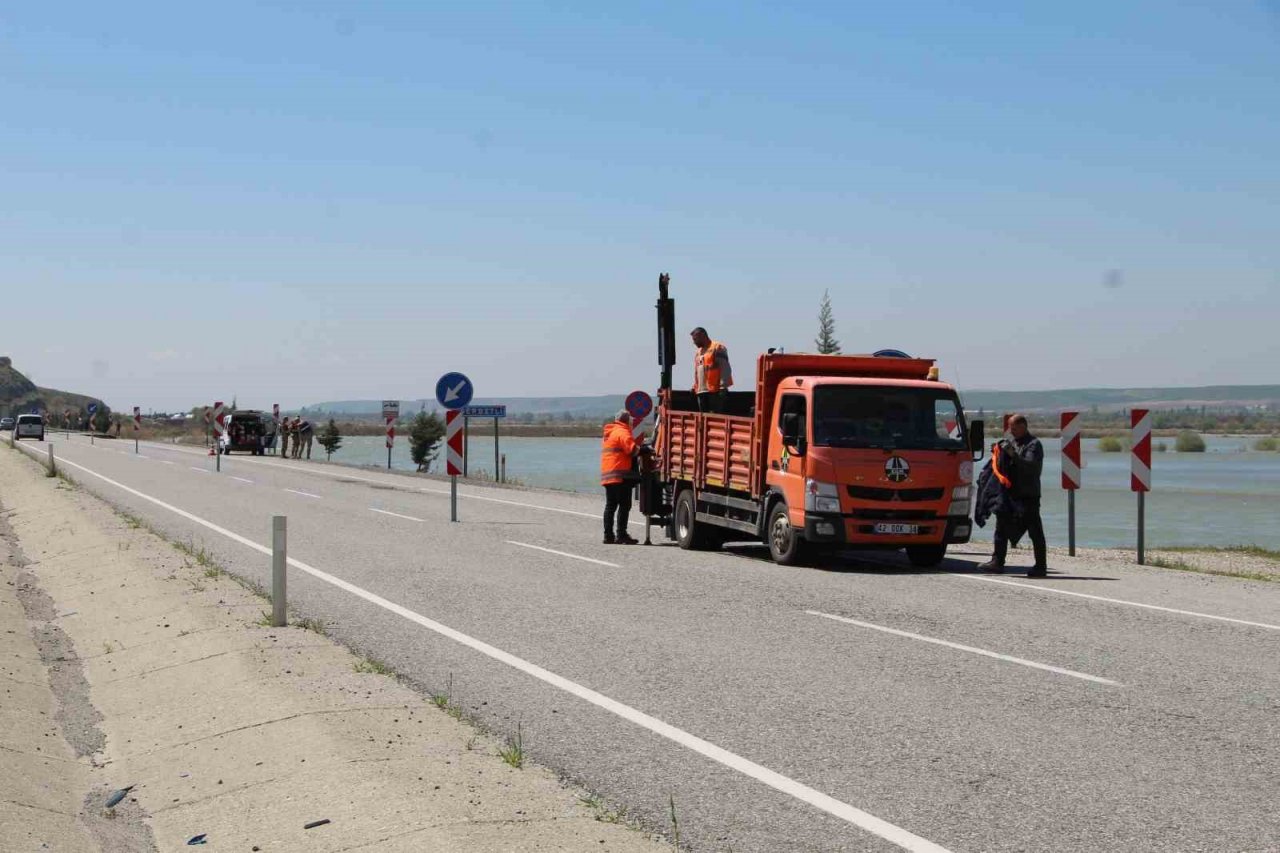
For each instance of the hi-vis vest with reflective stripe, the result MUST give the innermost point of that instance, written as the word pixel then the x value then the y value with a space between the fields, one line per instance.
pixel 616 454
pixel 710 370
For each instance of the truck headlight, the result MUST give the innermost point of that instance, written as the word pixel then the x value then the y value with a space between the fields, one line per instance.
pixel 821 497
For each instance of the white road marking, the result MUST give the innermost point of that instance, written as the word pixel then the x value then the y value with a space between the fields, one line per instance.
pixel 304 494
pixel 784 784
pixel 395 514
pixel 201 470
pixel 243 480
pixel 564 554
pixel 1120 601
pixel 971 649
pixel 141 456
pixel 167 462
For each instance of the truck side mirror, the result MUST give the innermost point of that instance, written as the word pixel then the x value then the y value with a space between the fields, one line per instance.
pixel 977 439
pixel 791 435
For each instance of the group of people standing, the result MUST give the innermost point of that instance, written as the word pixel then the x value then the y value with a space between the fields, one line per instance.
pixel 299 434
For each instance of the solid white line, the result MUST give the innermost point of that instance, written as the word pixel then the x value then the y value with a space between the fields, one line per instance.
pixel 564 554
pixel 201 470
pixel 243 480
pixel 1120 601
pixel 911 636
pixel 824 802
pixel 395 514
pixel 304 494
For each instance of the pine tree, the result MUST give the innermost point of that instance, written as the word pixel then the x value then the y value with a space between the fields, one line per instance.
pixel 826 340
pixel 425 433
pixel 330 439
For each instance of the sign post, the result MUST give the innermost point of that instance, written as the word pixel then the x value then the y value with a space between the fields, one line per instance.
pixel 219 427
pixel 1070 441
pixel 137 425
pixel 454 391
pixel 638 406
pixel 1140 472
pixel 93 410
pixel 275 417
pixel 495 412
pixel 390 411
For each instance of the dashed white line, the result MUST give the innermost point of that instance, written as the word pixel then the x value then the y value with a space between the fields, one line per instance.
pixel 167 462
pixel 564 554
pixel 201 470
pixel 243 480
pixel 971 649
pixel 395 514
pixel 825 802
pixel 141 456
pixel 304 494
pixel 1120 601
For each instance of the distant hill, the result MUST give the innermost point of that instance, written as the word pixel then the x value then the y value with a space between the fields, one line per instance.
pixel 1084 399
pixel 18 394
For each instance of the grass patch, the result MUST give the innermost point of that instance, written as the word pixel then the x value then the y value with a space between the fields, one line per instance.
pixel 131 520
pixel 1271 442
pixel 1189 442
pixel 601 811
pixel 442 700
pixel 374 667
pixel 1247 550
pixel 512 751
pixel 1110 444
pixel 309 624
pixel 1183 566
pixel 212 572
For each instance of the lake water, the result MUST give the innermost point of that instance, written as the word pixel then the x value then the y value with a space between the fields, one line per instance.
pixel 1229 495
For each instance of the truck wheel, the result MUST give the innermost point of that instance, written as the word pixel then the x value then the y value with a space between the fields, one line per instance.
pixel 690 535
pixel 786 546
pixel 926 556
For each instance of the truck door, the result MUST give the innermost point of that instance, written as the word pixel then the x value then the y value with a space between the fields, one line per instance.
pixel 786 465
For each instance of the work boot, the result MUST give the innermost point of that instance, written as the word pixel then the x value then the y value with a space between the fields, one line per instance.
pixel 1038 572
pixel 626 539
pixel 992 566
pixel 609 540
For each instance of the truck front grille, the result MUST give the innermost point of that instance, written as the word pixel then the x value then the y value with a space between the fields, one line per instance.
pixel 872 493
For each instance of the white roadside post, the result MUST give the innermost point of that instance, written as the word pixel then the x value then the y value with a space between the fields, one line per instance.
pixel 279 565
pixel 1070 440
pixel 53 468
pixel 1140 472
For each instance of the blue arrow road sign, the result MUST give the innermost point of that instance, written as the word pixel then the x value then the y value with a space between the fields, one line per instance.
pixel 454 391
pixel 93 408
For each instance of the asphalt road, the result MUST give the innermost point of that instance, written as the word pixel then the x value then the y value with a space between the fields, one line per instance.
pixel 864 706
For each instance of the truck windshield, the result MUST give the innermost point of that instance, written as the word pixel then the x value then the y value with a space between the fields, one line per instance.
pixel 886 417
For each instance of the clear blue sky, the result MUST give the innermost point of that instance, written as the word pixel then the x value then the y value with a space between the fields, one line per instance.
pixel 303 201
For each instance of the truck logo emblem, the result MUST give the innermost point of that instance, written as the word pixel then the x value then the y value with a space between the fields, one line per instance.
pixel 897 469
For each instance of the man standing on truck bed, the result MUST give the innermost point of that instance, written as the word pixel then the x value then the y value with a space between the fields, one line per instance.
pixel 617 456
pixel 712 374
pixel 1027 456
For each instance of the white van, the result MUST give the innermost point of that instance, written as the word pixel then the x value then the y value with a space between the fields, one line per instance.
pixel 29 426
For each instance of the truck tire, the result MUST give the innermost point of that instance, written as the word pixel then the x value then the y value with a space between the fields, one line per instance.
pixel 926 556
pixel 786 546
pixel 691 535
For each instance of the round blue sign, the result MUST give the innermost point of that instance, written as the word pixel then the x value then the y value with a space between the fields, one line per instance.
pixel 454 391
pixel 93 408
pixel 639 405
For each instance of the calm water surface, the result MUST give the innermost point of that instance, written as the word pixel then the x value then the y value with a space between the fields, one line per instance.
pixel 1229 495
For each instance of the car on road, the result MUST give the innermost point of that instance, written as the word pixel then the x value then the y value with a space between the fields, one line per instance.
pixel 6 423
pixel 29 426
pixel 249 430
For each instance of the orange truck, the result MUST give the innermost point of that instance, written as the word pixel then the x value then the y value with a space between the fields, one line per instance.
pixel 829 452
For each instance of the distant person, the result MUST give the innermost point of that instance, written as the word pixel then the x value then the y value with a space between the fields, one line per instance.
pixel 712 375
pixel 1018 467
pixel 617 461
pixel 282 438
pixel 303 433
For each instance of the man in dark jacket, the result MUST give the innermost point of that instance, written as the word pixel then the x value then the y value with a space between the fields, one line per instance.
pixel 1024 456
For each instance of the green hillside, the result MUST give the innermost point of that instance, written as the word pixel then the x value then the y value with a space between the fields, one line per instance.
pixel 18 395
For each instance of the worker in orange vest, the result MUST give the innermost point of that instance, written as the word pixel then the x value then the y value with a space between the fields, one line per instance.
pixel 712 375
pixel 617 458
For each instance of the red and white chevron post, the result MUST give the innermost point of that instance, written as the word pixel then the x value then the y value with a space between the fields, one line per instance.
pixel 453 442
pixel 219 427
pixel 137 425
pixel 1070 439
pixel 1140 470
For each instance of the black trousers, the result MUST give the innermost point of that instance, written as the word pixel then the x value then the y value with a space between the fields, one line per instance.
pixel 617 499
pixel 1011 526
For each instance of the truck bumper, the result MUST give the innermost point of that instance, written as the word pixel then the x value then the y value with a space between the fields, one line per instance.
pixel 824 529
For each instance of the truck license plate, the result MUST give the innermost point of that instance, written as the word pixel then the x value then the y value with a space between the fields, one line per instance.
pixel 898 529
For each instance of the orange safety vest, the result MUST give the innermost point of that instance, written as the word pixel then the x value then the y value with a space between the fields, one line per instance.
pixel 710 370
pixel 616 454
pixel 995 467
